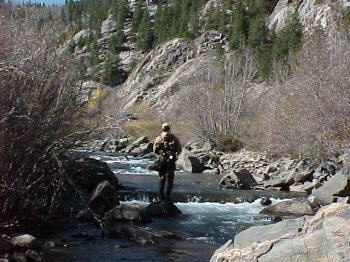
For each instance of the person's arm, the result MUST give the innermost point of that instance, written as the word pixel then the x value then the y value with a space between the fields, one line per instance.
pixel 178 146
pixel 157 144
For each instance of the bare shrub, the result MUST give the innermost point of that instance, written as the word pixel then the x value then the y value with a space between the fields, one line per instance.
pixel 212 105
pixel 228 144
pixel 309 113
pixel 38 115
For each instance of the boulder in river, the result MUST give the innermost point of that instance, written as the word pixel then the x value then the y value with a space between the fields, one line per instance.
pixel 25 242
pixel 137 143
pixel 336 186
pixel 87 173
pixel 324 237
pixel 189 162
pixel 127 213
pixel 162 209
pixel 142 150
pixel 242 179
pixel 104 198
pixel 289 208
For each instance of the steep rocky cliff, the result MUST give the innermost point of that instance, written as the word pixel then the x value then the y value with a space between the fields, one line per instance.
pixel 155 77
pixel 166 69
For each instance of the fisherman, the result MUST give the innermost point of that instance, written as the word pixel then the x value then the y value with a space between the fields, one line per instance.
pixel 168 147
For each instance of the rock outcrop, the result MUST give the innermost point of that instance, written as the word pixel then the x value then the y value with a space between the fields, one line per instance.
pixel 189 162
pixel 167 69
pixel 289 208
pixel 312 14
pixel 324 237
pixel 337 186
pixel 104 198
pixel 238 180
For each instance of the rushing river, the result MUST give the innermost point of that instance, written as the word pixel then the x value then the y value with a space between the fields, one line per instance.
pixel 211 216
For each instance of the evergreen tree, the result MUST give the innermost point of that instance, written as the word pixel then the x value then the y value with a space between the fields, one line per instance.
pixel 194 25
pixel 184 20
pixel 257 35
pixel 288 39
pixel 93 49
pixel 120 14
pixel 111 72
pixel 145 37
pixel 213 19
pixel 137 16
pixel 238 32
pixel 160 27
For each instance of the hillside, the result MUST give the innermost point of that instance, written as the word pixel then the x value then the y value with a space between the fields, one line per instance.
pixel 231 58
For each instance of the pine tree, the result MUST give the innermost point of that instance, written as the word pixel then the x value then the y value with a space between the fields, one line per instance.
pixel 159 25
pixel 184 19
pixel 238 32
pixel 194 25
pixel 137 16
pixel 288 39
pixel 111 72
pixel 145 37
pixel 257 35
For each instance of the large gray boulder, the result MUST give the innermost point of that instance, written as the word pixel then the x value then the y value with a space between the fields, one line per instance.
pixel 189 162
pixel 277 182
pixel 324 237
pixel 104 198
pixel 142 150
pixel 162 209
pixel 137 143
pixel 336 186
pixel 238 180
pixel 289 208
pixel 25 242
pixel 126 213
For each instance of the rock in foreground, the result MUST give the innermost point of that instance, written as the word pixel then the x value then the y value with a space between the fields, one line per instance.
pixel 324 237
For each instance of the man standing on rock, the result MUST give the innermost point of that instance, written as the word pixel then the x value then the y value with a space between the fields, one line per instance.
pixel 168 147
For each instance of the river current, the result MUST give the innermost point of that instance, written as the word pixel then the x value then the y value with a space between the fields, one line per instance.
pixel 211 216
